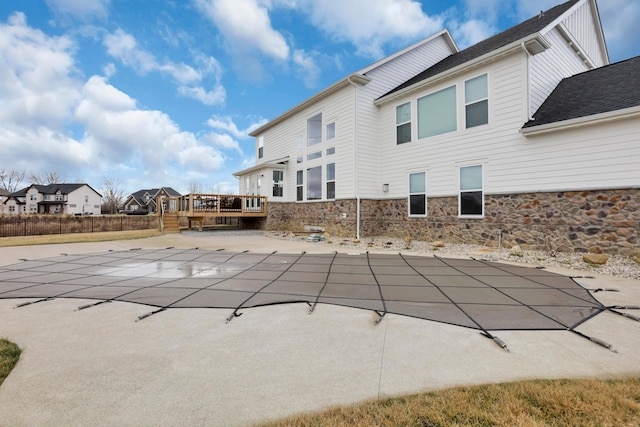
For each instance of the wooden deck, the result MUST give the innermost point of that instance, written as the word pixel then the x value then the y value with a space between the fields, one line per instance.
pixel 197 207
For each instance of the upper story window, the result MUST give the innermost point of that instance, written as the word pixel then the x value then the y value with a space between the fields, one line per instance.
pixel 403 123
pixel 59 197
pixel 33 197
pixel 437 113
pixel 331 151
pixel 86 199
pixel 313 156
pixel 300 142
pixel 471 198
pixel 260 147
pixel 331 131
pixel 418 194
pixel 314 130
pixel 476 101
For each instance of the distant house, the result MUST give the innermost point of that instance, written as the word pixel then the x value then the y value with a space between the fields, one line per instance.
pixel 74 199
pixel 147 199
pixel 529 137
pixel 4 194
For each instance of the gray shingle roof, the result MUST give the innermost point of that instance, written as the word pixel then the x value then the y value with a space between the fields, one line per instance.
pixel 518 32
pixel 609 88
pixel 51 189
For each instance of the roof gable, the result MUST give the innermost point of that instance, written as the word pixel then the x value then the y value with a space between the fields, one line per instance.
pixel 602 90
pixel 531 26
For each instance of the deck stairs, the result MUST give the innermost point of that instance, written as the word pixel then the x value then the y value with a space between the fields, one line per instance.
pixel 170 223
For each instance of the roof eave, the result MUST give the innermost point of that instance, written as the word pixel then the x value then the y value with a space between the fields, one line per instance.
pixel 277 163
pixel 350 79
pixel 581 121
pixel 481 60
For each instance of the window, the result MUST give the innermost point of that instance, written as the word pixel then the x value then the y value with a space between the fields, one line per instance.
pixel 331 151
pixel 86 199
pixel 12 208
pixel 314 183
pixel 299 185
pixel 403 123
pixel 278 177
pixel 72 205
pixel 331 131
pixel 313 156
pixel 260 146
pixel 59 197
pixel 314 130
pixel 33 197
pixel 471 200
pixel 331 181
pixel 437 113
pixel 300 142
pixel 476 101
pixel 299 159
pixel 418 194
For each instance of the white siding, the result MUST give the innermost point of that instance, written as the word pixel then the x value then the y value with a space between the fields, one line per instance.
pixel 77 197
pixel 548 68
pixel 582 26
pixel 597 156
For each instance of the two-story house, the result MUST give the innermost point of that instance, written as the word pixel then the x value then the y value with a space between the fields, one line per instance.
pixel 74 199
pixel 529 137
pixel 148 199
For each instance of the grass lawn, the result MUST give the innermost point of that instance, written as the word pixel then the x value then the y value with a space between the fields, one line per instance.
pixel 526 403
pixel 9 355
pixel 77 237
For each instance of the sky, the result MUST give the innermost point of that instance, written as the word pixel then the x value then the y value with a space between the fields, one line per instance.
pixel 152 93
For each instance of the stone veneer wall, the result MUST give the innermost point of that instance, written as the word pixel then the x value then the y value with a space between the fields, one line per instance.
pixel 605 221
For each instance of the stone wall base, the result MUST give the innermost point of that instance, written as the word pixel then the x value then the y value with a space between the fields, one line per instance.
pixel 603 221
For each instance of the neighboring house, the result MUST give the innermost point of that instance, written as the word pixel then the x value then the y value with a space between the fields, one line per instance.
pixel 75 199
pixel 529 137
pixel 4 194
pixel 148 199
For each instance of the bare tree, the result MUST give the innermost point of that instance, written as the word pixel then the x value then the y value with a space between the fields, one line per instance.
pixel 11 180
pixel 195 188
pixel 51 177
pixel 112 195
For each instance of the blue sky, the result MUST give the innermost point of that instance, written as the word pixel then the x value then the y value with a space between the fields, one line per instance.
pixel 164 92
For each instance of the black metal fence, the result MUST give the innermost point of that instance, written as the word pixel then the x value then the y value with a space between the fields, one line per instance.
pixel 43 225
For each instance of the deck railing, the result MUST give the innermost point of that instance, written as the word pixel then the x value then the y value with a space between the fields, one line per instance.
pixel 194 205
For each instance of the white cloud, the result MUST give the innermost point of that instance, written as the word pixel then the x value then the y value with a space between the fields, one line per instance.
pixel 470 32
pixel 225 123
pixel 124 47
pixel 246 26
pixel 31 61
pixel 223 141
pixel 620 22
pixel 307 69
pixel 80 9
pixel 370 25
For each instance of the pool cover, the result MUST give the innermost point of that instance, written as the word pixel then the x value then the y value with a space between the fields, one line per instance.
pixel 478 294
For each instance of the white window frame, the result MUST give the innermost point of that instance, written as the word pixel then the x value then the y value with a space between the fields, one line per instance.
pixel 260 146
pixel 434 112
pixel 330 181
pixel 476 101
pixel 331 134
pixel 277 184
pixel 403 124
pixel 309 182
pixel 480 189
pixel 417 193
pixel 313 138
pixel 300 185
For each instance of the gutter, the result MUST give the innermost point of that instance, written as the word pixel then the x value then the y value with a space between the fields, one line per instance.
pixel 609 116
pixel 355 154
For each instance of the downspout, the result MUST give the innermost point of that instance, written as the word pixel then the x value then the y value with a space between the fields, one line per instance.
pixel 355 155
pixel 528 76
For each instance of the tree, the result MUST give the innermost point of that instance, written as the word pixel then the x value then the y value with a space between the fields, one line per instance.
pixel 11 180
pixel 195 188
pixel 51 177
pixel 112 195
